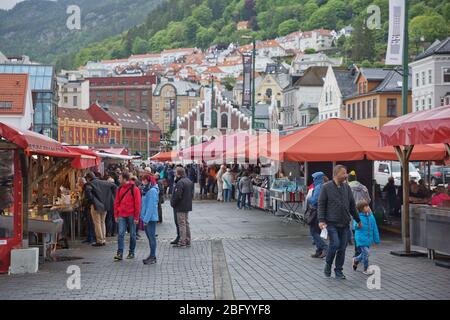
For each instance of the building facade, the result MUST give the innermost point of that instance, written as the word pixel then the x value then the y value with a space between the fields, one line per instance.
pixel 431 77
pixel 73 92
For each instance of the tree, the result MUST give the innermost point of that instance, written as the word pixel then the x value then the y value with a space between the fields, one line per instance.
pixel 429 28
pixel 191 29
pixel 203 15
pixel 229 82
pixel 205 37
pixel 140 46
pixel 288 26
pixel 310 51
pixel 363 44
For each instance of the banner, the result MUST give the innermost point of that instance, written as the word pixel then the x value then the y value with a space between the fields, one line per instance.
pixel 208 100
pixel 247 87
pixel 394 55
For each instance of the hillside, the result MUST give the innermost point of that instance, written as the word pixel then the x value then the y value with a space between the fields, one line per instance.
pixel 37 28
pixel 201 23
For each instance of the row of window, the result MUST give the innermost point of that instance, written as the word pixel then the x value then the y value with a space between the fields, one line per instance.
pixel 121 84
pixel 368 109
pixel 424 78
pixel 121 93
pixel 5 105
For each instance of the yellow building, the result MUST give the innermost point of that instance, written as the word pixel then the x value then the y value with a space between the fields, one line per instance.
pixel 271 85
pixel 171 99
pixel 378 99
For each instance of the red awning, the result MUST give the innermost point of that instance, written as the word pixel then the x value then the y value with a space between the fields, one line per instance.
pixel 34 143
pixel 166 156
pixel 118 151
pixel 423 127
pixel 196 152
pixel 85 159
pixel 341 140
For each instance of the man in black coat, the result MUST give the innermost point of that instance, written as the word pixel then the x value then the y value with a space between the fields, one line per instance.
pixel 100 196
pixel 335 207
pixel 181 202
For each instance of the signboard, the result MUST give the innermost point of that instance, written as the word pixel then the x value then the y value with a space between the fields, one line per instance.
pixel 247 88
pixel 394 55
pixel 102 132
pixel 208 100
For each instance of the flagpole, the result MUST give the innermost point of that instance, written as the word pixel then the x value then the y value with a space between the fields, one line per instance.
pixel 405 86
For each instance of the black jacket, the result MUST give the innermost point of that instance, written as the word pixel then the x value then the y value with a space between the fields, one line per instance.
pixel 336 204
pixel 181 200
pixel 101 194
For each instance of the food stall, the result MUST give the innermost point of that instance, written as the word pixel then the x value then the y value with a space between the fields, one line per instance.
pixel 422 225
pixel 30 166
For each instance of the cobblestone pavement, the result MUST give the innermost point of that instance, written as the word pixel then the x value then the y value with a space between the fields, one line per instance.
pixel 234 254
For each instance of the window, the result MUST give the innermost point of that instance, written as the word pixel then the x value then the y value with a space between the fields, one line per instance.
pixel 75 90
pixel 120 103
pixel 417 80
pixel 429 103
pixel 358 111
pixel 366 87
pixel 109 93
pixel 5 105
pixel 364 110
pixel 133 93
pixel 391 107
pixel 446 75
pixel 120 93
pixel 99 94
pixel 224 120
pixel 374 108
pixel 383 168
pixel 145 93
pixel 269 93
pixel 353 111
pixel 416 104
pixel 369 109
pixel 442 101
pixel 423 78
pixel 423 104
pixel 430 76
pixel 348 111
pixel 65 100
pixel 75 101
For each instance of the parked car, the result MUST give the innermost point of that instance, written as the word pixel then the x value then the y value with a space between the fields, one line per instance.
pixel 439 175
pixel 385 169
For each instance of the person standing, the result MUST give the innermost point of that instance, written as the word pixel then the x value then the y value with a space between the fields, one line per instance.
pixel 181 201
pixel 170 178
pixel 220 189
pixel 86 212
pixel 191 173
pixel 212 180
pixel 203 177
pixel 127 208
pixel 100 197
pixel 149 215
pixel 336 205
pixel 161 196
pixel 246 187
pixel 321 246
pixel 227 184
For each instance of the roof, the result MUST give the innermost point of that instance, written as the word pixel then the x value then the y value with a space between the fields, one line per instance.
pixel 130 119
pixel 313 77
pixel 13 93
pixel 374 74
pixel 181 87
pixel 393 82
pixel 345 81
pixel 73 113
pixel 438 47
pixel 41 77
pixel 143 56
pixel 308 106
pixel 190 50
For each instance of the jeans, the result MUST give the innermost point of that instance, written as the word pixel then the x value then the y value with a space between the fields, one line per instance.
pixel 203 188
pixel 185 231
pixel 110 223
pixel 150 231
pixel 338 243
pixel 315 234
pixel 176 225
pixel 242 200
pixel 123 223
pixel 160 214
pixel 239 199
pixel 227 195
pixel 363 257
pixel 90 225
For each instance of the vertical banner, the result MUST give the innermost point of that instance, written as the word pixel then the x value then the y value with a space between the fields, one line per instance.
pixel 208 100
pixel 247 87
pixel 394 55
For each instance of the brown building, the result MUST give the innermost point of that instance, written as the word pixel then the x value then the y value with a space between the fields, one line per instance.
pixel 378 99
pixel 132 93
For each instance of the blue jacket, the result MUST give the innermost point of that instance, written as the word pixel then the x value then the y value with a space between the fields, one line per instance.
pixel 150 201
pixel 318 182
pixel 368 234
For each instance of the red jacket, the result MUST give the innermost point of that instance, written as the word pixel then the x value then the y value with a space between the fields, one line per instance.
pixel 128 206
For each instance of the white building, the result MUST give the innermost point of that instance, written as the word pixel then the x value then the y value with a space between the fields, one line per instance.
pixel 73 92
pixel 319 40
pixel 173 55
pixel 16 105
pixel 339 83
pixel 431 77
pixel 145 59
pixel 305 61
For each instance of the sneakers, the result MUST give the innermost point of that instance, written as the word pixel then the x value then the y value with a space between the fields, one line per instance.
pixel 149 260
pixel 339 275
pixel 316 255
pixel 367 273
pixel 179 245
pixel 174 242
pixel 327 270
pixel 355 264
pixel 98 244
pixel 118 257
pixel 130 255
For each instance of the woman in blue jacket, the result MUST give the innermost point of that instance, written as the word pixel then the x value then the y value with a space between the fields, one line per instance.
pixel 365 236
pixel 149 215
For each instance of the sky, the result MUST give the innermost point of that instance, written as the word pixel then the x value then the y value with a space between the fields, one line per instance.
pixel 8 4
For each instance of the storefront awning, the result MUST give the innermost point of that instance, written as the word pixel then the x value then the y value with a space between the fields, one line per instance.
pixel 166 156
pixel 86 158
pixel 423 127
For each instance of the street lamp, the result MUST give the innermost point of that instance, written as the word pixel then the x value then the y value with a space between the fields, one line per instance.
pixel 253 77
pixel 148 140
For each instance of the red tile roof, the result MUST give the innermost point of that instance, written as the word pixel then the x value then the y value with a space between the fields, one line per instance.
pixel 74 114
pixel 13 89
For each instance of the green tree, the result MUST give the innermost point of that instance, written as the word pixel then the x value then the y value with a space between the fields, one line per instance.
pixel 229 82
pixel 288 26
pixel 362 42
pixel 140 46
pixel 205 37
pixel 429 27
pixel 203 15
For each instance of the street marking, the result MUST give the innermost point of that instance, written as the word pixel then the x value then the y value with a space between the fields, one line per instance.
pixel 223 287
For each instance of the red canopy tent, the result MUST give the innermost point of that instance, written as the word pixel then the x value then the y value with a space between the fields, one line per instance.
pixel 341 140
pixel 85 158
pixel 196 152
pixel 166 156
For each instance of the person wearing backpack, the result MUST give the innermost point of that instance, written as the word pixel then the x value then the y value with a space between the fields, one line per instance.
pixel 127 209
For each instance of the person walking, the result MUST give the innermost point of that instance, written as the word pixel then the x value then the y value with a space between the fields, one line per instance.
pixel 365 235
pixel 100 198
pixel 245 186
pixel 149 215
pixel 227 185
pixel 220 188
pixel 239 177
pixel 86 212
pixel 212 180
pixel 181 201
pixel 336 205
pixel 203 177
pixel 191 173
pixel 312 202
pixel 127 209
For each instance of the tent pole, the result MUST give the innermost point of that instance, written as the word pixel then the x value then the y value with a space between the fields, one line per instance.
pixel 429 175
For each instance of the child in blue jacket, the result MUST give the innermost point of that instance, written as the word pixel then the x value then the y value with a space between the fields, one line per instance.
pixel 149 215
pixel 365 236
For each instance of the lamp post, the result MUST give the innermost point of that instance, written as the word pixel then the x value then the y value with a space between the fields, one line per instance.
pixel 148 140
pixel 253 77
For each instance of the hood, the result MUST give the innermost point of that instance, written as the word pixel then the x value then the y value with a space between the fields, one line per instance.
pixel 318 177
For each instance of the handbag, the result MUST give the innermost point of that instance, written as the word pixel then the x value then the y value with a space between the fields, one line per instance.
pixel 310 215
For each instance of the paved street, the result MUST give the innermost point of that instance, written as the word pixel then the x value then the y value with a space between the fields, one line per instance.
pixel 234 255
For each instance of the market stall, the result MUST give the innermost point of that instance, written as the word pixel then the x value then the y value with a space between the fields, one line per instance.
pixel 407 134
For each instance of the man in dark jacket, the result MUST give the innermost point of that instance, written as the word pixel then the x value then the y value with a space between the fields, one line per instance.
pixel 100 197
pixel 181 201
pixel 336 205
